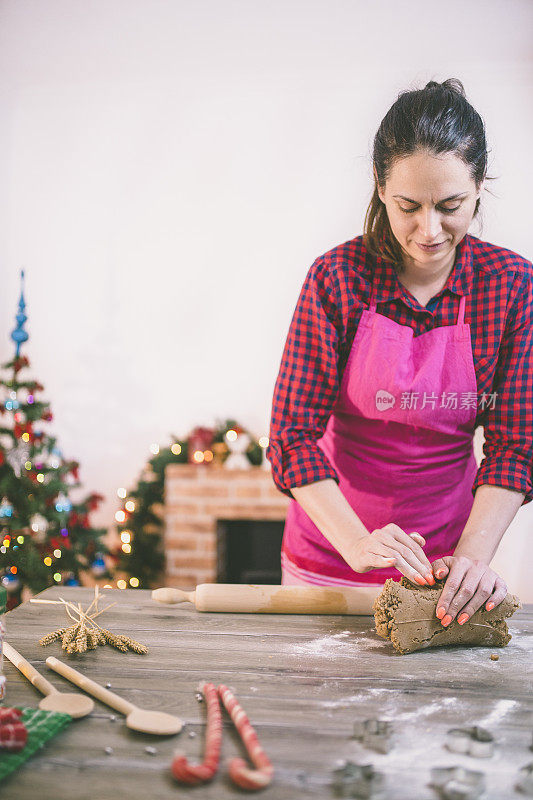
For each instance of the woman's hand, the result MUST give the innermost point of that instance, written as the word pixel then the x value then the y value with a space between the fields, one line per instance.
pixel 389 547
pixel 470 583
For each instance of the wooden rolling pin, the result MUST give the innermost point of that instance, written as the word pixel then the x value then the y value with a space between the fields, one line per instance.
pixel 262 599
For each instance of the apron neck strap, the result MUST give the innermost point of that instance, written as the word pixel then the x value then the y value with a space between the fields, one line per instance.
pixel 372 305
pixel 461 314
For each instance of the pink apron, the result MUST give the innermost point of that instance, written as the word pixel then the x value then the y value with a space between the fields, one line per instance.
pixel 400 437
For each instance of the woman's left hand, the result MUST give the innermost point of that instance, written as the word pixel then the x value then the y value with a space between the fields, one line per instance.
pixel 469 585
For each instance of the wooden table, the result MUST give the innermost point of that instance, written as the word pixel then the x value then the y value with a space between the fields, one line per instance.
pixel 303 680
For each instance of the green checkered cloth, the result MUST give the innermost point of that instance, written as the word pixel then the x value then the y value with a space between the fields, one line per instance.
pixel 41 726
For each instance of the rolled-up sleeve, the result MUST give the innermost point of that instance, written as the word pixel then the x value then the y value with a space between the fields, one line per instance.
pixel 307 384
pixel 508 425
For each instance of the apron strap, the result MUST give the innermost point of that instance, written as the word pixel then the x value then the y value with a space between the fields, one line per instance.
pixel 372 306
pixel 461 314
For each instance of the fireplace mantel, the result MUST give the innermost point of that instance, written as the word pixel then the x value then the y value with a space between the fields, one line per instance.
pixel 196 496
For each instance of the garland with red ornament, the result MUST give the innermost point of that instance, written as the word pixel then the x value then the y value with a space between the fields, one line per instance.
pixel 45 538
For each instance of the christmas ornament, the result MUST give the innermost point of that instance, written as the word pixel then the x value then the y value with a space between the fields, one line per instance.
pixel 10 582
pixel 63 504
pixel 39 525
pixel 6 509
pixel 200 439
pixel 98 566
pixel 19 335
pixel 54 458
pixel 12 404
pixel 18 456
pixel 23 431
pixel 238 443
pixel 94 500
pixel 220 452
pixel 20 361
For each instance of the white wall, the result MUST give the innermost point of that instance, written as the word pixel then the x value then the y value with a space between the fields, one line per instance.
pixel 169 171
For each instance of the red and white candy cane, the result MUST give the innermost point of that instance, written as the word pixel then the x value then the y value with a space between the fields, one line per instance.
pixel 194 774
pixel 239 772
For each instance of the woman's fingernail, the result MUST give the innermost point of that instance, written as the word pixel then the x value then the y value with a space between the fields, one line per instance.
pixel 446 621
pixel 462 619
pixel 430 579
pixel 440 573
pixel 420 580
pixel 489 606
pixel 441 612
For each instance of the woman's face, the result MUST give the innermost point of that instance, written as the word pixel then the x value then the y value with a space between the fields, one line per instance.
pixel 430 200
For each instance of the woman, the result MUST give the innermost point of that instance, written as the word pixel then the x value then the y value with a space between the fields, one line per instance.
pixel 403 341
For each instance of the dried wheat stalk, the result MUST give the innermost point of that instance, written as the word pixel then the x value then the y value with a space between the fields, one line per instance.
pixel 86 634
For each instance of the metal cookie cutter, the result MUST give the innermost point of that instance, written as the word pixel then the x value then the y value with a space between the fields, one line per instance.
pixel 458 783
pixel 375 733
pixel 360 781
pixel 525 780
pixel 474 741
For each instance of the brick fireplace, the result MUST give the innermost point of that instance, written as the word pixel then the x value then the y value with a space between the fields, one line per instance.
pixel 197 499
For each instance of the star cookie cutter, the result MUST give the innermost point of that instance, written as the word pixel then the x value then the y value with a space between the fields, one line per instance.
pixel 458 783
pixel 377 734
pixel 476 742
pixel 525 780
pixel 359 781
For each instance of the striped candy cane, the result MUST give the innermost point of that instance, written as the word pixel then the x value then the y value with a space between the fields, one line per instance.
pixel 193 774
pixel 239 771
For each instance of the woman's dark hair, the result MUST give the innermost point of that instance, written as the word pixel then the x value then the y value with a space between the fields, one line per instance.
pixel 436 119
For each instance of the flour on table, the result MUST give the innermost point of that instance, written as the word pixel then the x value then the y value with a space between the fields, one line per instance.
pixel 335 645
pixel 364 694
pixel 426 710
pixel 500 710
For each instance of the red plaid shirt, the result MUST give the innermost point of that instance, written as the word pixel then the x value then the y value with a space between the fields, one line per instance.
pixel 498 285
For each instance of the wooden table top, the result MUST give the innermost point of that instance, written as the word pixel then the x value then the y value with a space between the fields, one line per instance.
pixel 303 681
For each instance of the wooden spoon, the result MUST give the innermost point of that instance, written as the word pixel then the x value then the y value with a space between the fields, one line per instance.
pixel 77 705
pixel 157 722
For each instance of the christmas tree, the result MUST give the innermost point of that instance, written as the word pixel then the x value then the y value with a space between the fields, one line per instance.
pixel 46 539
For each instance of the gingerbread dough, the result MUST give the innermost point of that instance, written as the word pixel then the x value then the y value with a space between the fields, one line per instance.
pixel 405 614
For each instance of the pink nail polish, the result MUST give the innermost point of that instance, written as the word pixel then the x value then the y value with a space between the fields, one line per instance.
pixel 446 620
pixel 440 573
pixel 489 606
pixel 462 619
pixel 420 581
pixel 441 612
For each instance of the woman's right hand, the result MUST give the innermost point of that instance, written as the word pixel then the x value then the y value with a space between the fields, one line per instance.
pixel 390 547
